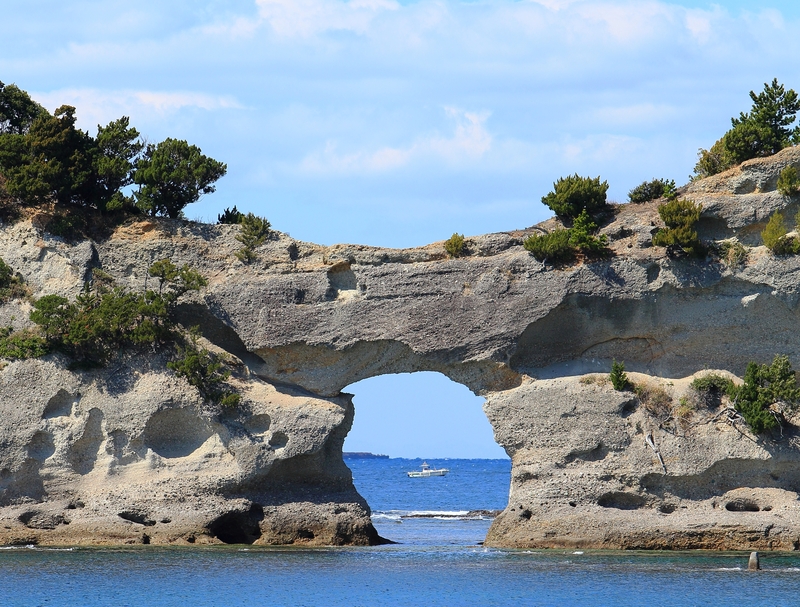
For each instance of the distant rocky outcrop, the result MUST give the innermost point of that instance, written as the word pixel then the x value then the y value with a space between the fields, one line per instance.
pixel 132 453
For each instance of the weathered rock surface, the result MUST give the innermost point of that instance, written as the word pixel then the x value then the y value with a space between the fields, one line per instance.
pixel 131 453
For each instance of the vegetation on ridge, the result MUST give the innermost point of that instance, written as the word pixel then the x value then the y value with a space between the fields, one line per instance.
pixel 618 377
pixel 255 230
pixel 763 131
pixel 788 182
pixel 45 158
pixel 573 194
pixel 680 236
pixel 653 190
pixel 105 319
pixel 455 246
pixel 564 244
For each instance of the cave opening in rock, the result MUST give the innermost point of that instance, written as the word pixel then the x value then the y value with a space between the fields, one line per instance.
pixel 238 527
pixel 425 416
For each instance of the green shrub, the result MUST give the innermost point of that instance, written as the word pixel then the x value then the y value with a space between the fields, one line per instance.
pixel 788 245
pixel 678 213
pixel 562 245
pixel 710 388
pixel 93 329
pixel 652 190
pixel 204 371
pixel 680 217
pixel 553 247
pixel 11 284
pixel 712 381
pixel 455 245
pixel 713 161
pixel 177 280
pixel 101 320
pixel 255 231
pixel 45 158
pixel 733 253
pixel 582 238
pixel 573 194
pixel 231 216
pixel 68 226
pixel 761 132
pixel 173 174
pixel 6 274
pixel 618 377
pixel 20 345
pixel 102 280
pixel 763 387
pixel 789 182
pixel 774 235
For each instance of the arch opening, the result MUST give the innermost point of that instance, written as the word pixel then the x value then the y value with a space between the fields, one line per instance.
pixel 403 420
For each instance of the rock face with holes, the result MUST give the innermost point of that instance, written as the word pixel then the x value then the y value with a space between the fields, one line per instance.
pixel 132 453
pixel 594 467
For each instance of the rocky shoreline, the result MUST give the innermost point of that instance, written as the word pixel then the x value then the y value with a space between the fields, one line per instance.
pixel 131 453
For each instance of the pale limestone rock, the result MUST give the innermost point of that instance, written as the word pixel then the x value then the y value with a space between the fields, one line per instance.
pixel 110 455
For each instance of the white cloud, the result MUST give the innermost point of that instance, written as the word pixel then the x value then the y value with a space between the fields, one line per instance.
pixel 96 106
pixel 630 22
pixel 469 143
pixel 308 17
pixel 700 25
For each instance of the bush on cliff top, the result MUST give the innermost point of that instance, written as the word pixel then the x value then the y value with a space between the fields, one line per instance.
pixel 255 230
pixel 455 246
pixel 618 377
pixel 652 190
pixel 761 132
pixel 563 245
pixel 553 247
pixel 45 158
pixel 573 194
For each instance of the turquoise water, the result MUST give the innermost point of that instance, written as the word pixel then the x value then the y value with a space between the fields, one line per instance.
pixel 438 563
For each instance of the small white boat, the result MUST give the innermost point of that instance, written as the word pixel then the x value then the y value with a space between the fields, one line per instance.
pixel 427 471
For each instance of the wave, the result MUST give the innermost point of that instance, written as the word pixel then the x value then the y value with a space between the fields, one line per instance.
pixel 444 515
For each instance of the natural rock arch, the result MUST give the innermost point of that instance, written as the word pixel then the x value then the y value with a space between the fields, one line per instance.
pixel 420 414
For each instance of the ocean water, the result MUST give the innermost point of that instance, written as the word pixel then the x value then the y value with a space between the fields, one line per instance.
pixel 435 511
pixel 438 562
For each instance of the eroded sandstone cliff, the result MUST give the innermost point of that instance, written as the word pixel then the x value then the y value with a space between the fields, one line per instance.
pixel 132 453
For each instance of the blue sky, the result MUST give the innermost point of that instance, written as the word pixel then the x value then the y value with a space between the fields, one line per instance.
pixel 398 123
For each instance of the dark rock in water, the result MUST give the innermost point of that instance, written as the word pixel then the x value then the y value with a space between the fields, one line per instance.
pixel 483 513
